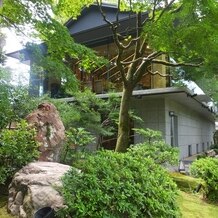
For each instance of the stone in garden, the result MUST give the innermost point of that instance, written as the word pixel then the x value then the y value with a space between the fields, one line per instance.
pixel 50 131
pixel 35 186
pixel 211 153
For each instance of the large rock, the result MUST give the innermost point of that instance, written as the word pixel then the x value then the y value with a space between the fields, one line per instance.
pixel 50 131
pixel 35 186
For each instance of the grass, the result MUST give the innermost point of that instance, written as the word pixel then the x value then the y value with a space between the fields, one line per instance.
pixel 191 205
pixel 3 210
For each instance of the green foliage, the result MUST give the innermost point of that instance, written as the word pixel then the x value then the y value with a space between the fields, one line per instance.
pixel 79 137
pixel 180 31
pixel 18 13
pixel 89 106
pixel 17 148
pixel 65 9
pixel 154 147
pixel 210 86
pixel 15 102
pixel 149 135
pixel 21 102
pixel 59 47
pixel 2 44
pixel 56 56
pixel 89 112
pixel 5 107
pixel 76 141
pixel 207 169
pixel 86 115
pixel 112 184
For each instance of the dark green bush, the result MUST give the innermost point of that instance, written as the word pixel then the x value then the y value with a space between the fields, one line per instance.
pixel 207 169
pixel 17 148
pixel 117 185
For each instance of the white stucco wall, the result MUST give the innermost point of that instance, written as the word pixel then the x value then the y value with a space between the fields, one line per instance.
pixel 193 128
pixel 152 112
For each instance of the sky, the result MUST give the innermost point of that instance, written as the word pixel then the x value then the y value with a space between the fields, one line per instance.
pixel 20 71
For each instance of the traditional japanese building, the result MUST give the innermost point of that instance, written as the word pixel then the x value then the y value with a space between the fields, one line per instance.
pixel 184 117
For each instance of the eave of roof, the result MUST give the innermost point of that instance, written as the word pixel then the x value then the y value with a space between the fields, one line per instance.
pixel 21 55
pixel 24 54
pixel 178 94
pixel 84 36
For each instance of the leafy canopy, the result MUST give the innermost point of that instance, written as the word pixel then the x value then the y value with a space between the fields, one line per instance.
pixel 37 19
pixel 185 30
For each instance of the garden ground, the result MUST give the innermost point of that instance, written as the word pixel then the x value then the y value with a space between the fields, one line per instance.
pixel 191 205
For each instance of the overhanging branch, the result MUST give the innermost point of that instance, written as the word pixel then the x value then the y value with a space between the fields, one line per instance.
pixel 12 23
pixel 144 59
pixel 134 61
pixel 155 54
pixel 166 63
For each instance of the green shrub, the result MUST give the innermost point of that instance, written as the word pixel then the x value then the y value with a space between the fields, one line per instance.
pixel 17 148
pixel 154 147
pixel 76 143
pixel 207 169
pixel 116 185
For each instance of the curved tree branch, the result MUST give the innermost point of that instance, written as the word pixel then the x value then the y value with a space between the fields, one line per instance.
pixel 166 63
pixel 158 73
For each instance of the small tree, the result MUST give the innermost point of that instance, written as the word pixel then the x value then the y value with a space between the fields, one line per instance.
pixel 175 29
pixel 15 103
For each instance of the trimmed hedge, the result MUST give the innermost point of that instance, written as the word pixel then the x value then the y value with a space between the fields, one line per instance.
pixel 117 185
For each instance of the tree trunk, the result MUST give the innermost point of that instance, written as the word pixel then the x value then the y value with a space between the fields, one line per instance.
pixel 124 121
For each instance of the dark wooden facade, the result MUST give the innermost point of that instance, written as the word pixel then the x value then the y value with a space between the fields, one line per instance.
pixel 108 77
